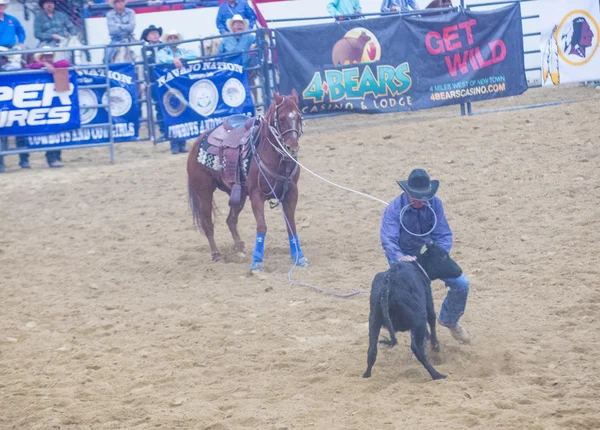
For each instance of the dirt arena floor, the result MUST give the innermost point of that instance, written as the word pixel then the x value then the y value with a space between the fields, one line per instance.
pixel 113 316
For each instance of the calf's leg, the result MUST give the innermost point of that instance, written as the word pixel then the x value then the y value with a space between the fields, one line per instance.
pixel 374 329
pixel 417 346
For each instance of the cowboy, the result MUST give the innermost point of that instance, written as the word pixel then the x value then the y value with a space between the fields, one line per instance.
pixel 241 43
pixel 398 6
pixel 151 36
pixel 234 7
pixel 11 31
pixel 121 23
pixel 50 25
pixel 412 220
pixel 344 9
pixel 171 54
pixel 45 60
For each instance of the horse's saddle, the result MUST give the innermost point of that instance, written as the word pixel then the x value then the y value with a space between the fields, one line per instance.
pixel 230 144
pixel 233 133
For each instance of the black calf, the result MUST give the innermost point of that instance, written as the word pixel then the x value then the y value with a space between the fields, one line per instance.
pixel 401 300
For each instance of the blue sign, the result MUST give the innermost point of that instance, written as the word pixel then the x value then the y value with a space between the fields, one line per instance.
pixel 404 63
pixel 29 105
pixel 123 105
pixel 200 96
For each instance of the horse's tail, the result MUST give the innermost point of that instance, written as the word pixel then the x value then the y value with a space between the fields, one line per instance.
pixel 195 203
pixel 194 199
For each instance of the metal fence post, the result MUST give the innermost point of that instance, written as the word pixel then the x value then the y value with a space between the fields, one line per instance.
pixel 264 65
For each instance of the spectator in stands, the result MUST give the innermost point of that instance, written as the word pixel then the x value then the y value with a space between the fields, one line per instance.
pixel 234 7
pixel 171 54
pixel 398 6
pixel 45 60
pixel 344 9
pixel 121 23
pixel 12 32
pixel 240 42
pixel 50 25
pixel 6 65
pixel 151 36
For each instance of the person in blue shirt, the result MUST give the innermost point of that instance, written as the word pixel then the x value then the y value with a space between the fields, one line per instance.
pixel 234 7
pixel 410 221
pixel 398 6
pixel 342 9
pixel 172 54
pixel 239 42
pixel 12 32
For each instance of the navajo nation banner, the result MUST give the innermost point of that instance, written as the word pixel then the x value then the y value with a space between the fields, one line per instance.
pixel 404 63
pixel 124 109
pixel 29 105
pixel 569 41
pixel 200 96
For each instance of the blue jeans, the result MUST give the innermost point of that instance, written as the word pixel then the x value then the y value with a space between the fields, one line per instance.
pixel 455 302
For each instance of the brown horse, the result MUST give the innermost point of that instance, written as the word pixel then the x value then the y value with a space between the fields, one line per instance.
pixel 272 174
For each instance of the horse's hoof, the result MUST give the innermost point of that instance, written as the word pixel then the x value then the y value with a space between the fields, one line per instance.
pixel 302 262
pixel 216 256
pixel 257 267
pixel 239 247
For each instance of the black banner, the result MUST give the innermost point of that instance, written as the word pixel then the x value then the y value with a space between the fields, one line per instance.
pixel 404 63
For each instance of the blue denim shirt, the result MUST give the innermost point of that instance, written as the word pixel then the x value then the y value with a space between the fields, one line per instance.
pixel 397 242
pixel 227 11
pixel 402 4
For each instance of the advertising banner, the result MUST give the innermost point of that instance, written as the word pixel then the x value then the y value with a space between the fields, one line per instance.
pixel 569 41
pixel 29 105
pixel 404 63
pixel 200 96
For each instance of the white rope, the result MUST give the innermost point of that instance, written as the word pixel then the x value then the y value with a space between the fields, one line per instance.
pixel 326 180
pixel 408 206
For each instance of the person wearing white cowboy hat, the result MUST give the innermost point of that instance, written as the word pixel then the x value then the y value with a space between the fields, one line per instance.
pixel 11 31
pixel 238 43
pixel 45 60
pixel 230 8
pixel 414 219
pixel 121 24
pixel 172 54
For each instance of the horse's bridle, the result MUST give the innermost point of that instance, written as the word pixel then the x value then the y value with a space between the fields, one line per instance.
pixel 277 131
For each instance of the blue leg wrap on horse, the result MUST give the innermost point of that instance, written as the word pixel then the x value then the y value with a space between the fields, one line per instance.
pixel 295 250
pixel 259 248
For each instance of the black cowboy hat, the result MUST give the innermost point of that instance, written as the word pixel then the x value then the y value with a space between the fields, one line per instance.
pixel 419 186
pixel 149 29
pixel 41 2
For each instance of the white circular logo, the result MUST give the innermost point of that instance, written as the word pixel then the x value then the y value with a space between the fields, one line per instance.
pixel 204 97
pixel 87 98
pixel 120 101
pixel 234 92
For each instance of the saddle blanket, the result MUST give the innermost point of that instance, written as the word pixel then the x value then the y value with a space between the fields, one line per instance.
pixel 214 162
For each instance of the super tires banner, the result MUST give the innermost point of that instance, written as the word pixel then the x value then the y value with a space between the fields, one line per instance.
pixel 404 63
pixel 29 105
pixel 124 108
